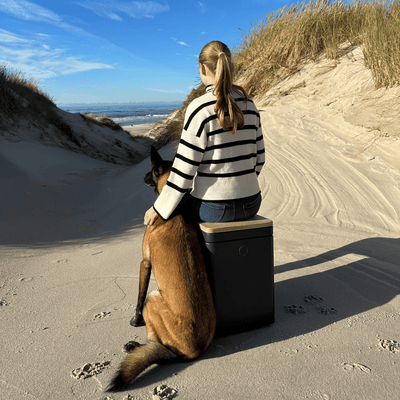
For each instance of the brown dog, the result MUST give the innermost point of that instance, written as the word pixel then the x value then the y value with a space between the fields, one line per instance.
pixel 180 317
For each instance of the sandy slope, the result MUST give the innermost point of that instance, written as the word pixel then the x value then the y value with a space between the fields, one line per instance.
pixel 71 231
pixel 79 134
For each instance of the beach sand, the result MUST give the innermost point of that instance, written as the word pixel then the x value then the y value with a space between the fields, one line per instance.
pixel 71 229
pixel 137 130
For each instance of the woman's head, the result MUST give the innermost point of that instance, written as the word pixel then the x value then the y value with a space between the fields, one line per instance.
pixel 217 58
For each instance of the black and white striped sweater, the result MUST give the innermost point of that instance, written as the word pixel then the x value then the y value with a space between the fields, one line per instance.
pixel 213 163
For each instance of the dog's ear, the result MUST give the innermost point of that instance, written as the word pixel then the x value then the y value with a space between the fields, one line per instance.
pixel 155 157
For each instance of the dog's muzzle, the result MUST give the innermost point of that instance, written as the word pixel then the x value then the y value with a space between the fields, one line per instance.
pixel 148 179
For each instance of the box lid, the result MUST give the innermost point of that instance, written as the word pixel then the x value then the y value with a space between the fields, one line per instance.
pixel 217 231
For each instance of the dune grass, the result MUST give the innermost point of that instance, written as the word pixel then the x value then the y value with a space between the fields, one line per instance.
pixel 17 92
pixel 102 120
pixel 382 43
pixel 21 96
pixel 172 128
pixel 274 48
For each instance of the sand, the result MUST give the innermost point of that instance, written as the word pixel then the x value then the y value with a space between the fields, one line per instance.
pixel 137 130
pixel 71 229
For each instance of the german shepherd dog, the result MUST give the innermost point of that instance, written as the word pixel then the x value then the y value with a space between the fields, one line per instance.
pixel 180 317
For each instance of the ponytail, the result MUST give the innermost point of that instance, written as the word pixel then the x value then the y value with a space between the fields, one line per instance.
pixel 217 57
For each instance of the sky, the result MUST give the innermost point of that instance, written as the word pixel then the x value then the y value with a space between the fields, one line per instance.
pixel 102 51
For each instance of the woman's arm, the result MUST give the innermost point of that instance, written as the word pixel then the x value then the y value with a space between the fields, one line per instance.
pixel 187 160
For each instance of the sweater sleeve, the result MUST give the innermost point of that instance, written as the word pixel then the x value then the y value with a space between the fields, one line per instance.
pixel 189 155
pixel 260 149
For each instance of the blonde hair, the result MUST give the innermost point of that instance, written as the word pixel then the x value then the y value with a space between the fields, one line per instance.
pixel 217 57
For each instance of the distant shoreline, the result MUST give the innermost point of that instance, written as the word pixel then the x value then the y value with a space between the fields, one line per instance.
pixel 127 113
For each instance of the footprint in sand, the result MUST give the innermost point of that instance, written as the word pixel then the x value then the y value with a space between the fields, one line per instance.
pixel 103 314
pixel 293 309
pixel 164 392
pixel 89 369
pixel 389 345
pixel 289 352
pixel 313 299
pixel 356 367
pixel 327 310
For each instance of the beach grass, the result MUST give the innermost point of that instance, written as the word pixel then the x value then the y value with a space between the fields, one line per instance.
pixel 170 129
pixel 18 92
pixel 21 96
pixel 276 47
pixel 102 120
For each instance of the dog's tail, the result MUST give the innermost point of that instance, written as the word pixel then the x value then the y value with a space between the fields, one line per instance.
pixel 136 362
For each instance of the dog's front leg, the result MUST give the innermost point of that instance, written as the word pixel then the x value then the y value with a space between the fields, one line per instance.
pixel 144 278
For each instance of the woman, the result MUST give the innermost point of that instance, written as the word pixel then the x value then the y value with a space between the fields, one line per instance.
pixel 221 151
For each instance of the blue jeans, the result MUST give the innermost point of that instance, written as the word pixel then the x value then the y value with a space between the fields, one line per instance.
pixel 225 211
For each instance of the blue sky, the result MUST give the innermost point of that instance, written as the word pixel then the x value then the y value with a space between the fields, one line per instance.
pixel 118 50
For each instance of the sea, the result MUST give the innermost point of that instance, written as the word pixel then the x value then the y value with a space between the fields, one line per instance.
pixel 126 113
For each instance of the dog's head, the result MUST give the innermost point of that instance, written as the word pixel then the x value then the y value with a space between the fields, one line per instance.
pixel 160 170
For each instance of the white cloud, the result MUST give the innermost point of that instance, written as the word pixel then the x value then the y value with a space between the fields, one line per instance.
pixel 43 35
pixel 29 11
pixel 181 43
pixel 202 7
pixel 41 61
pixel 134 9
pixel 9 37
pixel 24 9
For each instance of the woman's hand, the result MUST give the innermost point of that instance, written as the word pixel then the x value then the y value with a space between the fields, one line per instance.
pixel 150 216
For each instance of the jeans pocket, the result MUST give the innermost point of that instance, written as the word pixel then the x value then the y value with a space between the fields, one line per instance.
pixel 250 209
pixel 211 212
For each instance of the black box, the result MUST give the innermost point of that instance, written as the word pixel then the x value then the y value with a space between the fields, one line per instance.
pixel 240 263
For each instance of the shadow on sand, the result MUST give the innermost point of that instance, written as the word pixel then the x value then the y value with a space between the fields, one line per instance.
pixel 335 290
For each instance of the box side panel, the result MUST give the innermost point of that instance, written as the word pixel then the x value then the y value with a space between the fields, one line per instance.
pixel 242 281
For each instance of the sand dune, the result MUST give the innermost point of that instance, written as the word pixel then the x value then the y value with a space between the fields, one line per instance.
pixel 71 230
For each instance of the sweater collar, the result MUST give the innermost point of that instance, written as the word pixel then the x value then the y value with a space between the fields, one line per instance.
pixel 209 88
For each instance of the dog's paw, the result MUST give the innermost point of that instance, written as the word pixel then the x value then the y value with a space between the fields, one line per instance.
pixel 130 346
pixel 137 320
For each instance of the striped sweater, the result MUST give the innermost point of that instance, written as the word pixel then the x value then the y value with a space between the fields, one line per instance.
pixel 213 163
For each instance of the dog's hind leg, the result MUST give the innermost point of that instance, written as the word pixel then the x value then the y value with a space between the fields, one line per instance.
pixel 144 278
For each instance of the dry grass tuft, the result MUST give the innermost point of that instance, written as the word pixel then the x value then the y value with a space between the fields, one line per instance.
pixel 275 47
pixel 382 42
pixel 103 120
pixel 176 125
pixel 18 93
pixel 20 96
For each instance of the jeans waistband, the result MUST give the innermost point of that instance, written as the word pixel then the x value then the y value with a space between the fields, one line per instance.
pixel 242 200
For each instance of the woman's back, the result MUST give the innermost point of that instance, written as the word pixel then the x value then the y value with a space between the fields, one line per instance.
pixel 228 167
